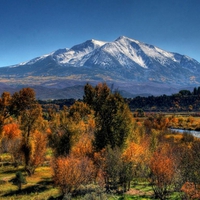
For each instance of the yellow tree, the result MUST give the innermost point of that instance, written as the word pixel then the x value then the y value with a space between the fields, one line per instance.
pixel 5 102
pixel 29 113
pixel 70 128
pixel 37 146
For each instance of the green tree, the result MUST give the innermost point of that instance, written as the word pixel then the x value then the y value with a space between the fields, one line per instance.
pixel 19 180
pixel 112 114
pixel 118 173
pixel 195 91
pixel 184 92
pixel 190 164
pixel 89 94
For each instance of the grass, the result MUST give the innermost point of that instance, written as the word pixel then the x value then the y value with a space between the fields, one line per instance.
pixel 39 186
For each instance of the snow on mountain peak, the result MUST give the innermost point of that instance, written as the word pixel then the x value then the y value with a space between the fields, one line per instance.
pixel 127 39
pixel 98 42
pixel 130 48
pixel 124 52
pixel 74 55
pixel 123 59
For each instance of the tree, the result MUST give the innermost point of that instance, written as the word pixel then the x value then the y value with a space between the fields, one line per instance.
pixel 139 157
pixel 11 130
pixel 162 171
pixel 79 111
pixel 5 102
pixel 29 113
pixel 190 167
pixel 34 151
pixel 11 141
pixel 83 147
pixel 70 173
pixel 185 92
pixel 89 95
pixel 195 91
pixel 22 101
pixel 114 172
pixel 112 115
pixel 64 132
pixel 19 180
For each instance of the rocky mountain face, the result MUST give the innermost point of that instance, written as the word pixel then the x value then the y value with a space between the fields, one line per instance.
pixel 132 67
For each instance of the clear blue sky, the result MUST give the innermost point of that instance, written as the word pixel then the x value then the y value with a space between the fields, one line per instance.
pixel 31 28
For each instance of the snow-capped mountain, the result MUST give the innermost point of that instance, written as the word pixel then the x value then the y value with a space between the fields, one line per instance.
pixel 124 60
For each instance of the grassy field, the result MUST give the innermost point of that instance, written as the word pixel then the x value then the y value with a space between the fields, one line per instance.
pixel 40 187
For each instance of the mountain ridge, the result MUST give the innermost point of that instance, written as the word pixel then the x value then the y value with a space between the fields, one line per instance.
pixel 124 62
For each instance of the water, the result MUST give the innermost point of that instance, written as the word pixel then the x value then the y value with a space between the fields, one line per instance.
pixel 194 133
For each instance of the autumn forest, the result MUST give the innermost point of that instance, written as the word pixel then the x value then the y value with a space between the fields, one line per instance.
pixel 99 148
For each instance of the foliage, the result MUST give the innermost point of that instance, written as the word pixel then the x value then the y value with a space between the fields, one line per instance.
pixel 182 101
pixel 22 101
pixel 162 171
pixel 70 173
pixel 99 142
pixel 34 151
pixel 5 102
pixel 113 117
pixel 29 114
pixel 190 190
pixel 138 155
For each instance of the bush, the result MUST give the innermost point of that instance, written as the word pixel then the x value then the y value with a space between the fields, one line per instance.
pixel 19 180
pixel 70 173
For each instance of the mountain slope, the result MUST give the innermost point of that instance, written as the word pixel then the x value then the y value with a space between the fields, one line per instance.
pixel 125 62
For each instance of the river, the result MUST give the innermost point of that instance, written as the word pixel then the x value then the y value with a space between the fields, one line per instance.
pixel 194 133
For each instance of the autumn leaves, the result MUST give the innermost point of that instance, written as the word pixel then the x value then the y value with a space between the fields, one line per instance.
pixel 98 141
pixel 22 124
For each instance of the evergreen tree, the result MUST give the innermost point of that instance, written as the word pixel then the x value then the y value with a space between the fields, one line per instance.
pixel 195 91
pixel 19 180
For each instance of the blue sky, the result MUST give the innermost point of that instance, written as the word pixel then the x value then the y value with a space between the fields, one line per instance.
pixel 31 28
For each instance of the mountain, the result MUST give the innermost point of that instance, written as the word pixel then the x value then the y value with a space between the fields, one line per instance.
pixel 132 67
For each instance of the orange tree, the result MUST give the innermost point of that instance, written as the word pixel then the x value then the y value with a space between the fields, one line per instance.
pixel 162 175
pixel 11 141
pixel 69 173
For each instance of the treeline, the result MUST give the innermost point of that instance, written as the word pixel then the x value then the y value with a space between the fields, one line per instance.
pixel 180 102
pixel 183 101
pixel 98 141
